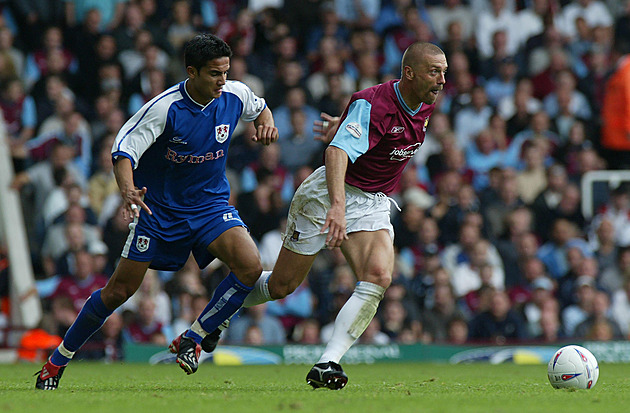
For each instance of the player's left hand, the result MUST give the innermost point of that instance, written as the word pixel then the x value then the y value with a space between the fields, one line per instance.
pixel 265 134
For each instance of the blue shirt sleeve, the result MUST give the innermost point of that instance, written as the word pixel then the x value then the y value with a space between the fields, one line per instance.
pixel 353 134
pixel 29 113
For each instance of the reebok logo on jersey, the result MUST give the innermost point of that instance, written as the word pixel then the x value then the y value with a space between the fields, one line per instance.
pixel 142 244
pixel 397 129
pixel 401 154
pixel 354 129
pixel 222 132
pixel 177 139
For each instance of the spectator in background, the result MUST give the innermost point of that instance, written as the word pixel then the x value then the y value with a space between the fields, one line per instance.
pixel 614 277
pixel 503 84
pixel 542 291
pixel 499 324
pixel 473 119
pixel 41 179
pixel 594 12
pixel 294 308
pixel 600 315
pixel 300 140
pixel 551 329
pixel 102 183
pixel 606 249
pixel 565 97
pixel 181 29
pixel 56 238
pixel 518 223
pixel 548 200
pixel 442 16
pixel 499 18
pixel 20 118
pixel 144 328
pixel 564 235
pixel 80 283
pixel 519 108
pixel 72 131
pixel 470 276
pixel 151 289
pixel 617 210
pixel 270 326
pixel 435 319
pixel 576 313
pixel 496 213
pixel 461 252
pixel 295 101
pixel 397 324
pixel 532 180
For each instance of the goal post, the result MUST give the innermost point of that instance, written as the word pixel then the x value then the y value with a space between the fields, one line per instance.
pixel 26 308
pixel 596 188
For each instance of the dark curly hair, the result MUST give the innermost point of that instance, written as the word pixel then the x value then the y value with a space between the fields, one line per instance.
pixel 203 48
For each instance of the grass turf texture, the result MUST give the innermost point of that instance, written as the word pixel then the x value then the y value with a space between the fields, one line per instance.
pixel 409 387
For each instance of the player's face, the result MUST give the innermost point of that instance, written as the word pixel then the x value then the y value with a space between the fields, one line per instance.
pixel 207 83
pixel 429 78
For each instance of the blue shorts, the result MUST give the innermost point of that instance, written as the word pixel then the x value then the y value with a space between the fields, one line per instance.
pixel 167 237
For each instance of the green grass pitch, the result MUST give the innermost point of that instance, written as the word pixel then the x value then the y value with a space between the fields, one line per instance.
pixel 391 388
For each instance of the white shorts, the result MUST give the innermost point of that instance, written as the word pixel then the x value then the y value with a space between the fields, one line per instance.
pixel 365 211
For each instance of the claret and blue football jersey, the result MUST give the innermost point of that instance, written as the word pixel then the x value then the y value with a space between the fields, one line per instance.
pixel 380 134
pixel 178 147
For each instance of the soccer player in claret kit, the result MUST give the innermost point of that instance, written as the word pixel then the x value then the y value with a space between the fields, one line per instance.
pixel 345 204
pixel 169 161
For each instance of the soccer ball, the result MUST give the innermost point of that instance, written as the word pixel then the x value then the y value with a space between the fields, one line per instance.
pixel 573 366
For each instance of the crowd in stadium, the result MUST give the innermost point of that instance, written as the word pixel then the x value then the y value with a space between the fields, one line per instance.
pixel 491 242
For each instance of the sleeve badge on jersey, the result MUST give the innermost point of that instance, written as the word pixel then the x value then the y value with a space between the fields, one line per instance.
pixel 426 123
pixel 355 129
pixel 142 243
pixel 222 132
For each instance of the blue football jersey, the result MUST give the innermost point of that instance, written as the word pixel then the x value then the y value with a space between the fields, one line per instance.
pixel 178 147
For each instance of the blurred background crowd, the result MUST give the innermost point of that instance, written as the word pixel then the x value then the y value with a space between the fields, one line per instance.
pixel 491 242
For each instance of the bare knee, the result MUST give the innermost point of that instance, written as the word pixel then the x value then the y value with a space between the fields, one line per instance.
pixel 249 274
pixel 279 290
pixel 115 295
pixel 379 276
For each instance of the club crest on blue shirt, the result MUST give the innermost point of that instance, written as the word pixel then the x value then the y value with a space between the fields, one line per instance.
pixel 142 244
pixel 222 132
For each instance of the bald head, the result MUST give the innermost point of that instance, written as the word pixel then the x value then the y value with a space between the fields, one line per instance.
pixel 417 52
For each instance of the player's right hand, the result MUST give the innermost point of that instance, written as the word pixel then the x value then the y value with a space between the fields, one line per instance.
pixel 326 128
pixel 133 200
pixel 336 226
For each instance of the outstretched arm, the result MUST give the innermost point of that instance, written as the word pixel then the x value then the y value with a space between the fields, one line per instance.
pixel 266 131
pixel 336 165
pixel 131 195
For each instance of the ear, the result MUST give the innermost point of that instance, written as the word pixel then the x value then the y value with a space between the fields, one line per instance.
pixel 408 72
pixel 192 72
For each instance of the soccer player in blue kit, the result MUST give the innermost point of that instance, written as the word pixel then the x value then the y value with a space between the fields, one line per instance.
pixel 169 162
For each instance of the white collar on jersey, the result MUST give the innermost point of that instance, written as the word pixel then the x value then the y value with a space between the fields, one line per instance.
pixel 193 100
